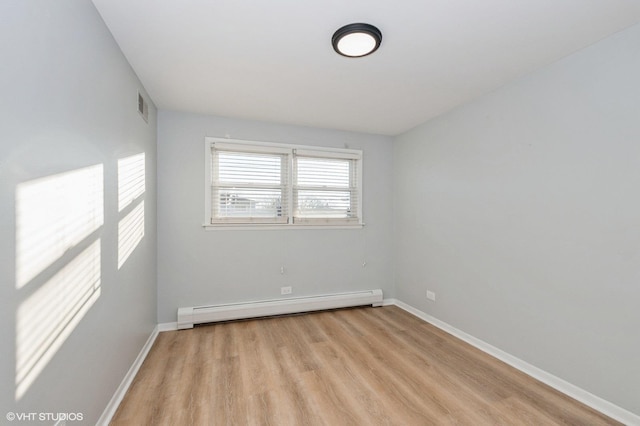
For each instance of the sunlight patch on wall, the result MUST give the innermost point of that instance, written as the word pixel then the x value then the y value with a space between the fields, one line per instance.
pixel 131 188
pixel 131 179
pixel 130 233
pixel 58 274
pixel 51 313
pixel 54 214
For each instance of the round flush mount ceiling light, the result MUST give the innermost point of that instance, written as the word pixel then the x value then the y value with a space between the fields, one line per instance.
pixel 356 40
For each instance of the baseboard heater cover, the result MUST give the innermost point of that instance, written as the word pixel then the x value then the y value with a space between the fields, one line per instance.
pixel 189 316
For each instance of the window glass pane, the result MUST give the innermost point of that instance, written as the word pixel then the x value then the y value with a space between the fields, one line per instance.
pixel 248 202
pixel 323 204
pixel 248 185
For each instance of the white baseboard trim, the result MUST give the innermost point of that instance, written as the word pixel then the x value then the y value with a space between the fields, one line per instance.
pixel 111 408
pixel 579 394
pixel 388 302
pixel 167 326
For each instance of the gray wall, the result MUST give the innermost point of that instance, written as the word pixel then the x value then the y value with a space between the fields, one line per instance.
pixel 520 210
pixel 198 267
pixel 69 102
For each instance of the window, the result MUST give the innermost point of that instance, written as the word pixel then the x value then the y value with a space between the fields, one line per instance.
pixel 252 183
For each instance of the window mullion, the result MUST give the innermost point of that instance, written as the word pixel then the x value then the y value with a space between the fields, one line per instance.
pixel 291 181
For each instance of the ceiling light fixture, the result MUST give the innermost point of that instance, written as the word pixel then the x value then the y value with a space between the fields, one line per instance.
pixel 356 40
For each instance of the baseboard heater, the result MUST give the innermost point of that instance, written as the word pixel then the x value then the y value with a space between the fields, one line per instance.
pixel 189 316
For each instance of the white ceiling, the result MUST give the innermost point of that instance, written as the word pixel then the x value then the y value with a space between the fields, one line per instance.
pixel 273 61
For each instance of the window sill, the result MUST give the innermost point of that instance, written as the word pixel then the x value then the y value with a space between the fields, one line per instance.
pixel 265 227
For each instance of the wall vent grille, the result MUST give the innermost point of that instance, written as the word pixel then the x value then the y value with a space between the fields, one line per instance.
pixel 143 107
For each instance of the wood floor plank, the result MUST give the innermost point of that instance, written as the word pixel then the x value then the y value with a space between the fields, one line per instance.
pixel 342 372
pixel 373 369
pixel 366 366
pixel 441 390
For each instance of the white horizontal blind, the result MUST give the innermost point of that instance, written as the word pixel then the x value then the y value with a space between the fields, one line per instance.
pixel 249 187
pixel 325 189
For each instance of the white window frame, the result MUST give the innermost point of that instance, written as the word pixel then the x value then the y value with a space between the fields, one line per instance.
pixel 305 150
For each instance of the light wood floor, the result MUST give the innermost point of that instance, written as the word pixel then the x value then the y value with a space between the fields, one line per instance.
pixel 365 366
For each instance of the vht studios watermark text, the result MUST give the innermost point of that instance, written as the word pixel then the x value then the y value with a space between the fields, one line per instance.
pixel 44 417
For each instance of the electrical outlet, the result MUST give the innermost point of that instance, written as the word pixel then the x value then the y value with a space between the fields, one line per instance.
pixel 431 295
pixel 285 290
